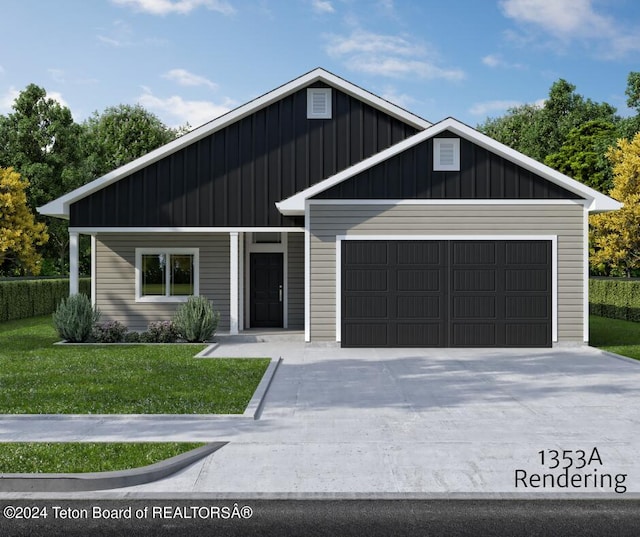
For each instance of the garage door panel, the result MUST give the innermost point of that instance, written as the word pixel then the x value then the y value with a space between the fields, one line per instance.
pixel 527 307
pixel 367 280
pixel 419 335
pixel 473 307
pixel 367 307
pixel 474 280
pixel 526 253
pixel 418 280
pixel 366 253
pixel 527 280
pixel 473 253
pixel 526 334
pixel 418 307
pixel 418 253
pixel 366 334
pixel 475 334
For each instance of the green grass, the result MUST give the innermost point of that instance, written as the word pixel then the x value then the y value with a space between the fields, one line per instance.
pixel 615 335
pixel 75 457
pixel 39 378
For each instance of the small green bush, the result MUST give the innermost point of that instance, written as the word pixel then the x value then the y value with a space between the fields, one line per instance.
pixel 132 337
pixel 109 332
pixel 75 318
pixel 195 320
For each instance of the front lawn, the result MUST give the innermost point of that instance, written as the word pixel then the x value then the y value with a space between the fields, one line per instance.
pixel 615 335
pixel 76 457
pixel 39 378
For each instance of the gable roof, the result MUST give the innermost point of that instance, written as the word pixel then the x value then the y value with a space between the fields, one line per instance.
pixel 598 202
pixel 60 206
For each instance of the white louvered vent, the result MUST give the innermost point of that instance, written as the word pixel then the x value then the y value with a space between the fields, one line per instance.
pixel 446 154
pixel 319 103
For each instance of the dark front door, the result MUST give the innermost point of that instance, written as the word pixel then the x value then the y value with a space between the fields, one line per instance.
pixel 266 290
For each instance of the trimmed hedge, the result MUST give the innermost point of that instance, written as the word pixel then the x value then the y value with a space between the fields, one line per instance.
pixel 29 298
pixel 617 298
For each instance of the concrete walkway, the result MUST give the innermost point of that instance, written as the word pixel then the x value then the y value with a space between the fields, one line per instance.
pixel 398 421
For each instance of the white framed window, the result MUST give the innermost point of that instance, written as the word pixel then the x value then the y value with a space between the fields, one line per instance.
pixel 446 154
pixel 319 103
pixel 167 274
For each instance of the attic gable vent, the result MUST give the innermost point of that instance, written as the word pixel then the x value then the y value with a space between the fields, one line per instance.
pixel 446 154
pixel 319 103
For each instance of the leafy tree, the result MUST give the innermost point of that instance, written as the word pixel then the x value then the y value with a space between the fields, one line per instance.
pixel 539 131
pixel 19 231
pixel 41 141
pixel 615 236
pixel 583 155
pixel 121 134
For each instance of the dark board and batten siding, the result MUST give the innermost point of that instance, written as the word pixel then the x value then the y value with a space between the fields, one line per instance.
pixel 482 175
pixel 235 176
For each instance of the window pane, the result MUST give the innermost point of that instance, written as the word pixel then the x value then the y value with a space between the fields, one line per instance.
pixel 154 275
pixel 181 275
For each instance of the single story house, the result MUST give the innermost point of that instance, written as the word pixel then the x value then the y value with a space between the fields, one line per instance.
pixel 321 206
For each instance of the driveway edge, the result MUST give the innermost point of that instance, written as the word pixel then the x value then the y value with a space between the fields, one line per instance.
pixel 104 480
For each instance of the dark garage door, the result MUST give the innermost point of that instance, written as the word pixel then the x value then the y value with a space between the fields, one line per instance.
pixel 446 293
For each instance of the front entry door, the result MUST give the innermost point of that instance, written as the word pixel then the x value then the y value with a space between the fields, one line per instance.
pixel 267 291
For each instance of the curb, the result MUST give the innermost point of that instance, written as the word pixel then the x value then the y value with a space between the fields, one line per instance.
pixel 104 480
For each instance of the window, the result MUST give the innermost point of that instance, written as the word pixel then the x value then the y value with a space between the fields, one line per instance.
pixel 166 275
pixel 446 154
pixel 319 103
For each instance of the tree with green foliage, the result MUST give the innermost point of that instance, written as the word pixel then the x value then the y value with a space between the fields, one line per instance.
pixel 539 131
pixel 19 231
pixel 121 134
pixel 615 236
pixel 583 155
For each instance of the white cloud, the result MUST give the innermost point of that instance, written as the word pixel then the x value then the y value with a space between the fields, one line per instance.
pixel 179 110
pixel 185 78
pixel 490 107
pixel 7 98
pixel 388 55
pixel 322 6
pixel 400 99
pixel 57 96
pixel 567 20
pixel 497 61
pixel 57 75
pixel 182 7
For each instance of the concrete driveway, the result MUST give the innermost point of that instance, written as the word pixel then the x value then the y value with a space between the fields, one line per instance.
pixel 413 421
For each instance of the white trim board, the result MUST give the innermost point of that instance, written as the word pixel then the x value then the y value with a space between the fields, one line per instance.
pixel 554 264
pixel 91 230
pixel 483 201
pixel 60 206
pixel 139 252
pixel 597 202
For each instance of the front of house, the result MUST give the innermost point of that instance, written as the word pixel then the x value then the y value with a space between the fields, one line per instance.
pixel 320 206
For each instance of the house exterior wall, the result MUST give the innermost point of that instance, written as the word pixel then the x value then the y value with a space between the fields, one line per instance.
pixel 115 275
pixel 234 177
pixel 326 221
pixel 295 282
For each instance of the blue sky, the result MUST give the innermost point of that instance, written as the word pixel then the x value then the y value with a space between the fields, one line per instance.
pixel 191 60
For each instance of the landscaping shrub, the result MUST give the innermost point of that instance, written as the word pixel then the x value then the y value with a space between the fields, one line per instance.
pixel 74 318
pixel 195 320
pixel 109 332
pixel 617 298
pixel 132 337
pixel 160 332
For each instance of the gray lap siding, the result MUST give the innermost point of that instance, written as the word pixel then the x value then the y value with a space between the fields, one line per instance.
pixel 328 220
pixel 115 275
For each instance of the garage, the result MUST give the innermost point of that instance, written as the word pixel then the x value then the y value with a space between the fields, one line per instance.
pixel 446 293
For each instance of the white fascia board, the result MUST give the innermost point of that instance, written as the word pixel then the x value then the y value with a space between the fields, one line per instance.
pixel 60 206
pixel 597 202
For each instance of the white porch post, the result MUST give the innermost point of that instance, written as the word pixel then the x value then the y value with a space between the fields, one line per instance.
pixel 233 282
pixel 73 263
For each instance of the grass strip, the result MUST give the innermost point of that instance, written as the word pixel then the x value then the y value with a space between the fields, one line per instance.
pixel 615 335
pixel 79 457
pixel 37 377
